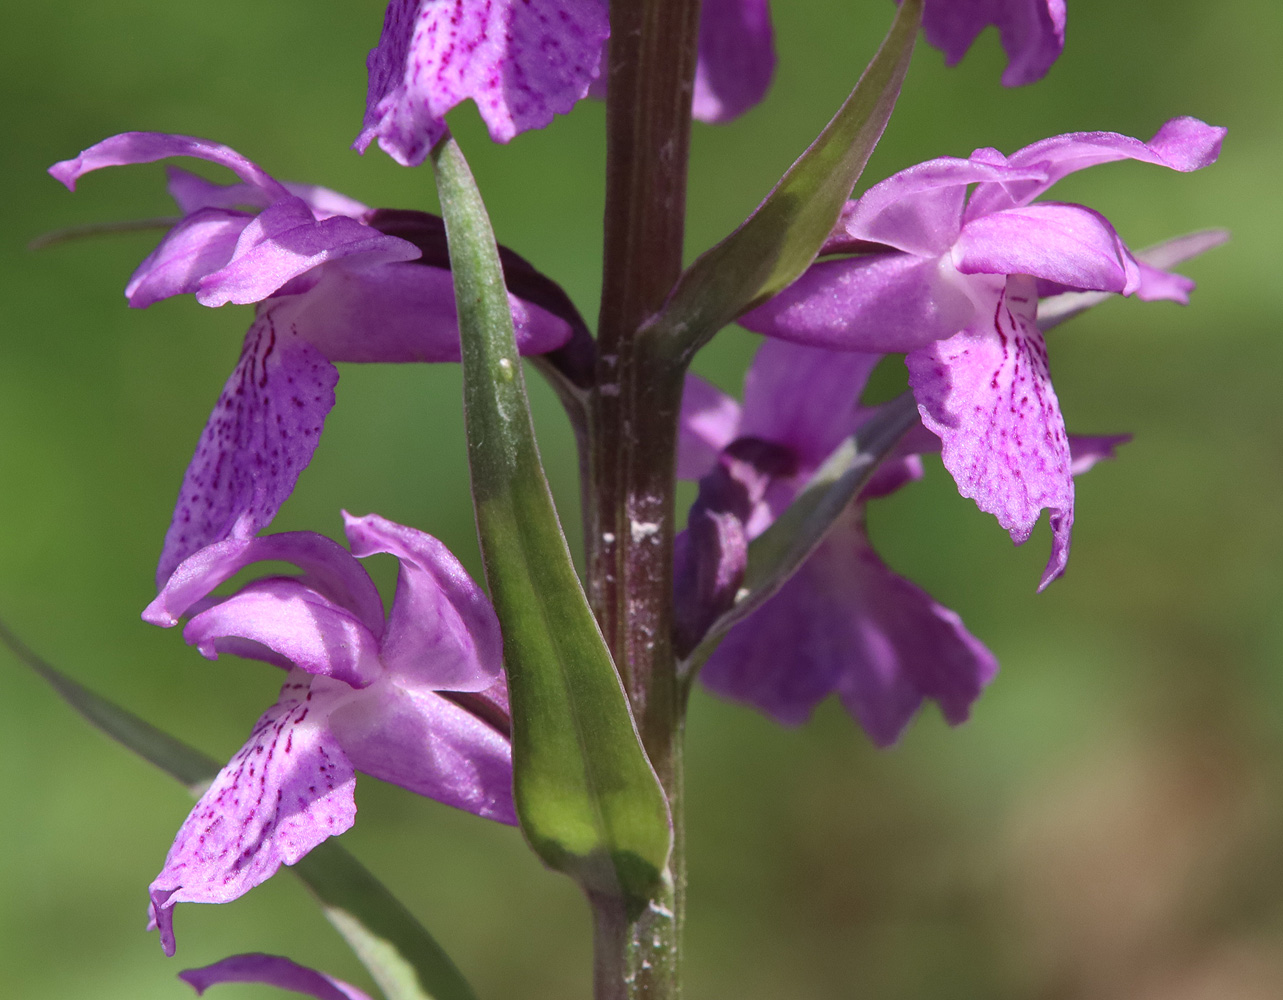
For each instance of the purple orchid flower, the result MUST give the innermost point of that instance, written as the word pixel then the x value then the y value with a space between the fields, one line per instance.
pixel 843 623
pixel 417 699
pixel 955 282
pixel 330 287
pixel 271 970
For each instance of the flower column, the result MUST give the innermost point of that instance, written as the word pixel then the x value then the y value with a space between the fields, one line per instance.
pixel 653 48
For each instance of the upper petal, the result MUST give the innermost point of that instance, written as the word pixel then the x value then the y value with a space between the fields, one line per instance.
pixel 286 790
pixel 400 312
pixel 520 61
pixel 442 634
pixel 193 192
pixel 806 398
pixel 1182 144
pixel 274 971
pixel 284 241
pixel 147 147
pixel 874 303
pixel 987 394
pixel 1032 32
pixel 293 621
pixel 919 210
pixel 1155 281
pixel 736 58
pixel 199 245
pixel 1068 244
pixel 260 436
pixel 430 745
pixel 328 568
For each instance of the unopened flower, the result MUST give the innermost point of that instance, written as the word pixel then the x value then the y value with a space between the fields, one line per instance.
pixel 416 699
pixel 955 282
pixel 330 287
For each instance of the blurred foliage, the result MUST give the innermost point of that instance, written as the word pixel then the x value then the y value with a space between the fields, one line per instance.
pixel 1109 824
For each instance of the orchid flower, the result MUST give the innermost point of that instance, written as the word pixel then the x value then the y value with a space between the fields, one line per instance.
pixel 843 623
pixel 330 287
pixel 955 283
pixel 522 63
pixel 271 970
pixel 416 699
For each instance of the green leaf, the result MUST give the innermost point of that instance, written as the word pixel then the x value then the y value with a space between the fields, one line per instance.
pixel 775 554
pixel 588 799
pixel 781 238
pixel 402 957
pixel 399 953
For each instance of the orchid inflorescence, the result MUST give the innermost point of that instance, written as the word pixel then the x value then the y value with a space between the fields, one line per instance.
pixel 540 708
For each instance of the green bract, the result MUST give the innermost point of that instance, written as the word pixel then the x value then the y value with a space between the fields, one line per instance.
pixel 588 800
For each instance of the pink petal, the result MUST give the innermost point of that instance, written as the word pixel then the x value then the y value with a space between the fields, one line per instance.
pixel 709 422
pixel 399 312
pixel 846 624
pixel 192 193
pixel 328 569
pixel 919 210
pixel 442 634
pixel 288 789
pixel 1032 32
pixel 875 303
pixel 736 58
pixel 274 971
pixel 260 436
pixel 806 398
pixel 284 241
pixel 1155 281
pixel 521 62
pixel 1182 144
pixel 295 622
pixel 430 745
pixel 1068 244
pixel 147 147
pixel 987 394
pixel 199 245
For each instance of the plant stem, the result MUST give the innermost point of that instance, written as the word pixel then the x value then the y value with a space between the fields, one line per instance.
pixel 635 408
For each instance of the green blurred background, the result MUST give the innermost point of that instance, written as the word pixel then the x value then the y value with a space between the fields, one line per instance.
pixel 1109 825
